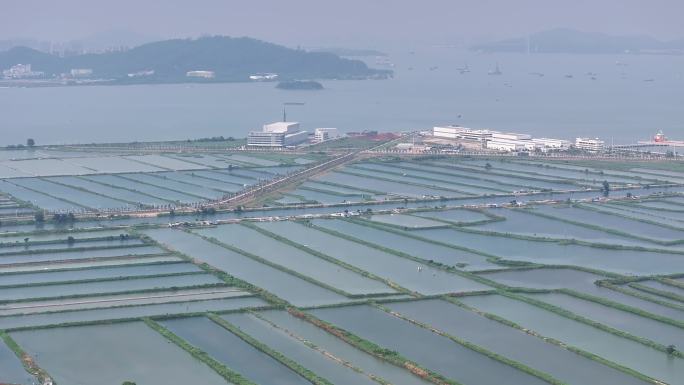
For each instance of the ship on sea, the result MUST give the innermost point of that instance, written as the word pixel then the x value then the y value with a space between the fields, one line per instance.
pixel 464 70
pixel 496 71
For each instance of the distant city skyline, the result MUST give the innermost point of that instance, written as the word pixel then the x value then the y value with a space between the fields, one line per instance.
pixel 353 23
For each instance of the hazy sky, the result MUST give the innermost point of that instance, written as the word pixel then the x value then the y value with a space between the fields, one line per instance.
pixel 352 23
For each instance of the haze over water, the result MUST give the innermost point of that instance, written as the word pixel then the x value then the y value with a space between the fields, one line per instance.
pixel 618 105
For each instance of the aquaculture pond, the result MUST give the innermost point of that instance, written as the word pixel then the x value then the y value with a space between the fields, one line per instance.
pixel 11 369
pixel 295 259
pixel 52 266
pixel 562 364
pixel 66 254
pixel 296 350
pixel 653 330
pixel 387 187
pixel 412 275
pixel 334 346
pixel 112 354
pixel 96 273
pixel 116 286
pixel 422 249
pixel 557 253
pixel 200 192
pixel 580 281
pixel 285 285
pixel 82 198
pixel 241 357
pixel 625 352
pixel 457 216
pixel 407 221
pixel 118 193
pixel 120 300
pixel 432 351
pixel 525 222
pixel 629 226
pixel 129 312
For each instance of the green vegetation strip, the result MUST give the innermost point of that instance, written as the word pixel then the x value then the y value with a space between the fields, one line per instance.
pixel 375 350
pixel 558 343
pixel 497 357
pixel 26 360
pixel 276 355
pixel 587 321
pixel 228 374
pixel 103 279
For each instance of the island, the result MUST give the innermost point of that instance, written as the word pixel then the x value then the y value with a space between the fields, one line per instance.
pixel 203 60
pixel 300 85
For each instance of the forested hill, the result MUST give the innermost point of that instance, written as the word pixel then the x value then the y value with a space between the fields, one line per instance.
pixel 231 59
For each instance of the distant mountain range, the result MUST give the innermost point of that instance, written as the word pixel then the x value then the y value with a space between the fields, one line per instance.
pixel 230 59
pixel 572 41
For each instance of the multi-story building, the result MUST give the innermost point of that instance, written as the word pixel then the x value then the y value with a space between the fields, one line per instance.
pixel 461 133
pixel 546 144
pixel 323 134
pixel 589 144
pixel 278 134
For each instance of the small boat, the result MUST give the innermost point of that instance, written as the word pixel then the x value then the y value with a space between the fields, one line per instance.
pixel 649 80
pixel 569 76
pixel 496 71
pixel 464 70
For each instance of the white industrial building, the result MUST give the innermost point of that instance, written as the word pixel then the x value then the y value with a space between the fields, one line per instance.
pixel 201 74
pixel 509 141
pixel 278 134
pixel 546 144
pixel 81 72
pixel 500 141
pixel 590 144
pixel 323 134
pixel 462 133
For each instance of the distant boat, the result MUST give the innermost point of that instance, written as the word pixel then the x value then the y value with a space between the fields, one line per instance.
pixel 649 80
pixel 433 68
pixel 569 76
pixel 496 71
pixel 537 74
pixel 464 70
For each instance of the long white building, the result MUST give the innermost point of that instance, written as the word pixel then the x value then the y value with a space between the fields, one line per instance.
pixel 462 133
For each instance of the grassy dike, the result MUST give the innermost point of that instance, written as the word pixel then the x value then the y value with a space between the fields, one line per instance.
pixel 376 177
pixel 228 374
pixel 373 349
pixel 26 360
pixel 330 259
pixel 553 341
pixel 605 212
pixel 515 364
pixel 276 355
pixel 570 315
